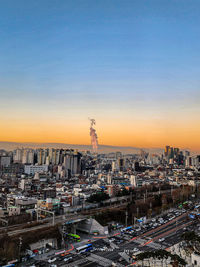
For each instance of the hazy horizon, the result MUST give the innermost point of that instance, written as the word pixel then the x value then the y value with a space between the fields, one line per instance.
pixel 102 148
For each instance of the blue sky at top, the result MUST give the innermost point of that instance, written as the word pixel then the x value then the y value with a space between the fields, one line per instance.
pixel 99 55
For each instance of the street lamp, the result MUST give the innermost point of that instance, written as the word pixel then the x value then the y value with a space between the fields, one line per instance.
pixel 20 244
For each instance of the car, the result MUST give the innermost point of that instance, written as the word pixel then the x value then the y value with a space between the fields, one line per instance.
pixel 135 250
pixel 52 260
pixel 161 239
pixel 68 259
pixel 53 265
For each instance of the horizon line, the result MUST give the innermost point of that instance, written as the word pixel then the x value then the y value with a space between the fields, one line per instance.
pixel 136 147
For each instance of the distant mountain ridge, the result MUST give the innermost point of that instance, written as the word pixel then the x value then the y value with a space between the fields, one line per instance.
pixel 102 148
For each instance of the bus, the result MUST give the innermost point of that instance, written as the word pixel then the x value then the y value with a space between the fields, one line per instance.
pixel 129 228
pixel 74 237
pixel 85 248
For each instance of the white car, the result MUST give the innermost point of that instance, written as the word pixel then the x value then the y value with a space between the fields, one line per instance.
pixel 52 260
pixel 161 239
pixel 135 249
pixel 68 259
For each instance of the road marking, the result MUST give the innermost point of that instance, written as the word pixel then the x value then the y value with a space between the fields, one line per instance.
pixel 158 228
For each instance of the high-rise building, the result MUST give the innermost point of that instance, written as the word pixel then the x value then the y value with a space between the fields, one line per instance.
pixel 72 163
pixel 113 166
pixel 167 150
pixel 17 155
pixel 121 164
pixel 28 156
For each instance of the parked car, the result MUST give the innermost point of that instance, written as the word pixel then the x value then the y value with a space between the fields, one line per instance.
pixel 52 260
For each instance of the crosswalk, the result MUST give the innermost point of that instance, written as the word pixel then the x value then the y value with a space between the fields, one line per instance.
pixel 104 249
pixel 75 263
pixel 102 261
pixel 140 241
pixel 113 245
pixel 125 256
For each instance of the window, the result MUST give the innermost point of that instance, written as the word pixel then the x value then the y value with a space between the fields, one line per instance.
pixel 195 262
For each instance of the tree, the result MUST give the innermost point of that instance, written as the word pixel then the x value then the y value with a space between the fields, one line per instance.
pixel 98 197
pixel 161 255
pixel 192 241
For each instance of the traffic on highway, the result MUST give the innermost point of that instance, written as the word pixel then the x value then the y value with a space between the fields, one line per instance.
pixel 156 233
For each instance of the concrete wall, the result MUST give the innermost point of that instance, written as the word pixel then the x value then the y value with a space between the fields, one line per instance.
pixel 90 225
pixel 43 242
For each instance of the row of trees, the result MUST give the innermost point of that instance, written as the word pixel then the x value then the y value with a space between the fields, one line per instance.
pixel 98 197
pixel 161 255
pixel 192 242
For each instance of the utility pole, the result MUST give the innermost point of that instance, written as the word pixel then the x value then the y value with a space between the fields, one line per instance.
pixel 150 209
pixel 37 215
pixel 126 217
pixel 53 218
pixel 20 245
pixel 131 196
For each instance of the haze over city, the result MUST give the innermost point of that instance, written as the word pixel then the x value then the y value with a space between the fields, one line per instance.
pixel 132 65
pixel 99 133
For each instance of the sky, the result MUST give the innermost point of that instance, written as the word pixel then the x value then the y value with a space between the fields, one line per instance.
pixel 133 65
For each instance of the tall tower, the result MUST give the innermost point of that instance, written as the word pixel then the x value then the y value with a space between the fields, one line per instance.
pixel 93 134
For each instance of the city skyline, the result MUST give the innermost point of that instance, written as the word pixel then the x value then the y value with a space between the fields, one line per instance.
pixel 132 65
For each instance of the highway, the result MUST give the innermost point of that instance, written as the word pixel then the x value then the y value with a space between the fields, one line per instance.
pixel 171 231
pixel 108 251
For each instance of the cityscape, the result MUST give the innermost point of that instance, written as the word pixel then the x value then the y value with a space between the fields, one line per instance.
pixel 99 133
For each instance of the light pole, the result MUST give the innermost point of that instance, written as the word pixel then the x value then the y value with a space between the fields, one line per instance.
pixel 63 232
pixel 126 217
pixel 150 209
pixel 137 211
pixel 20 244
